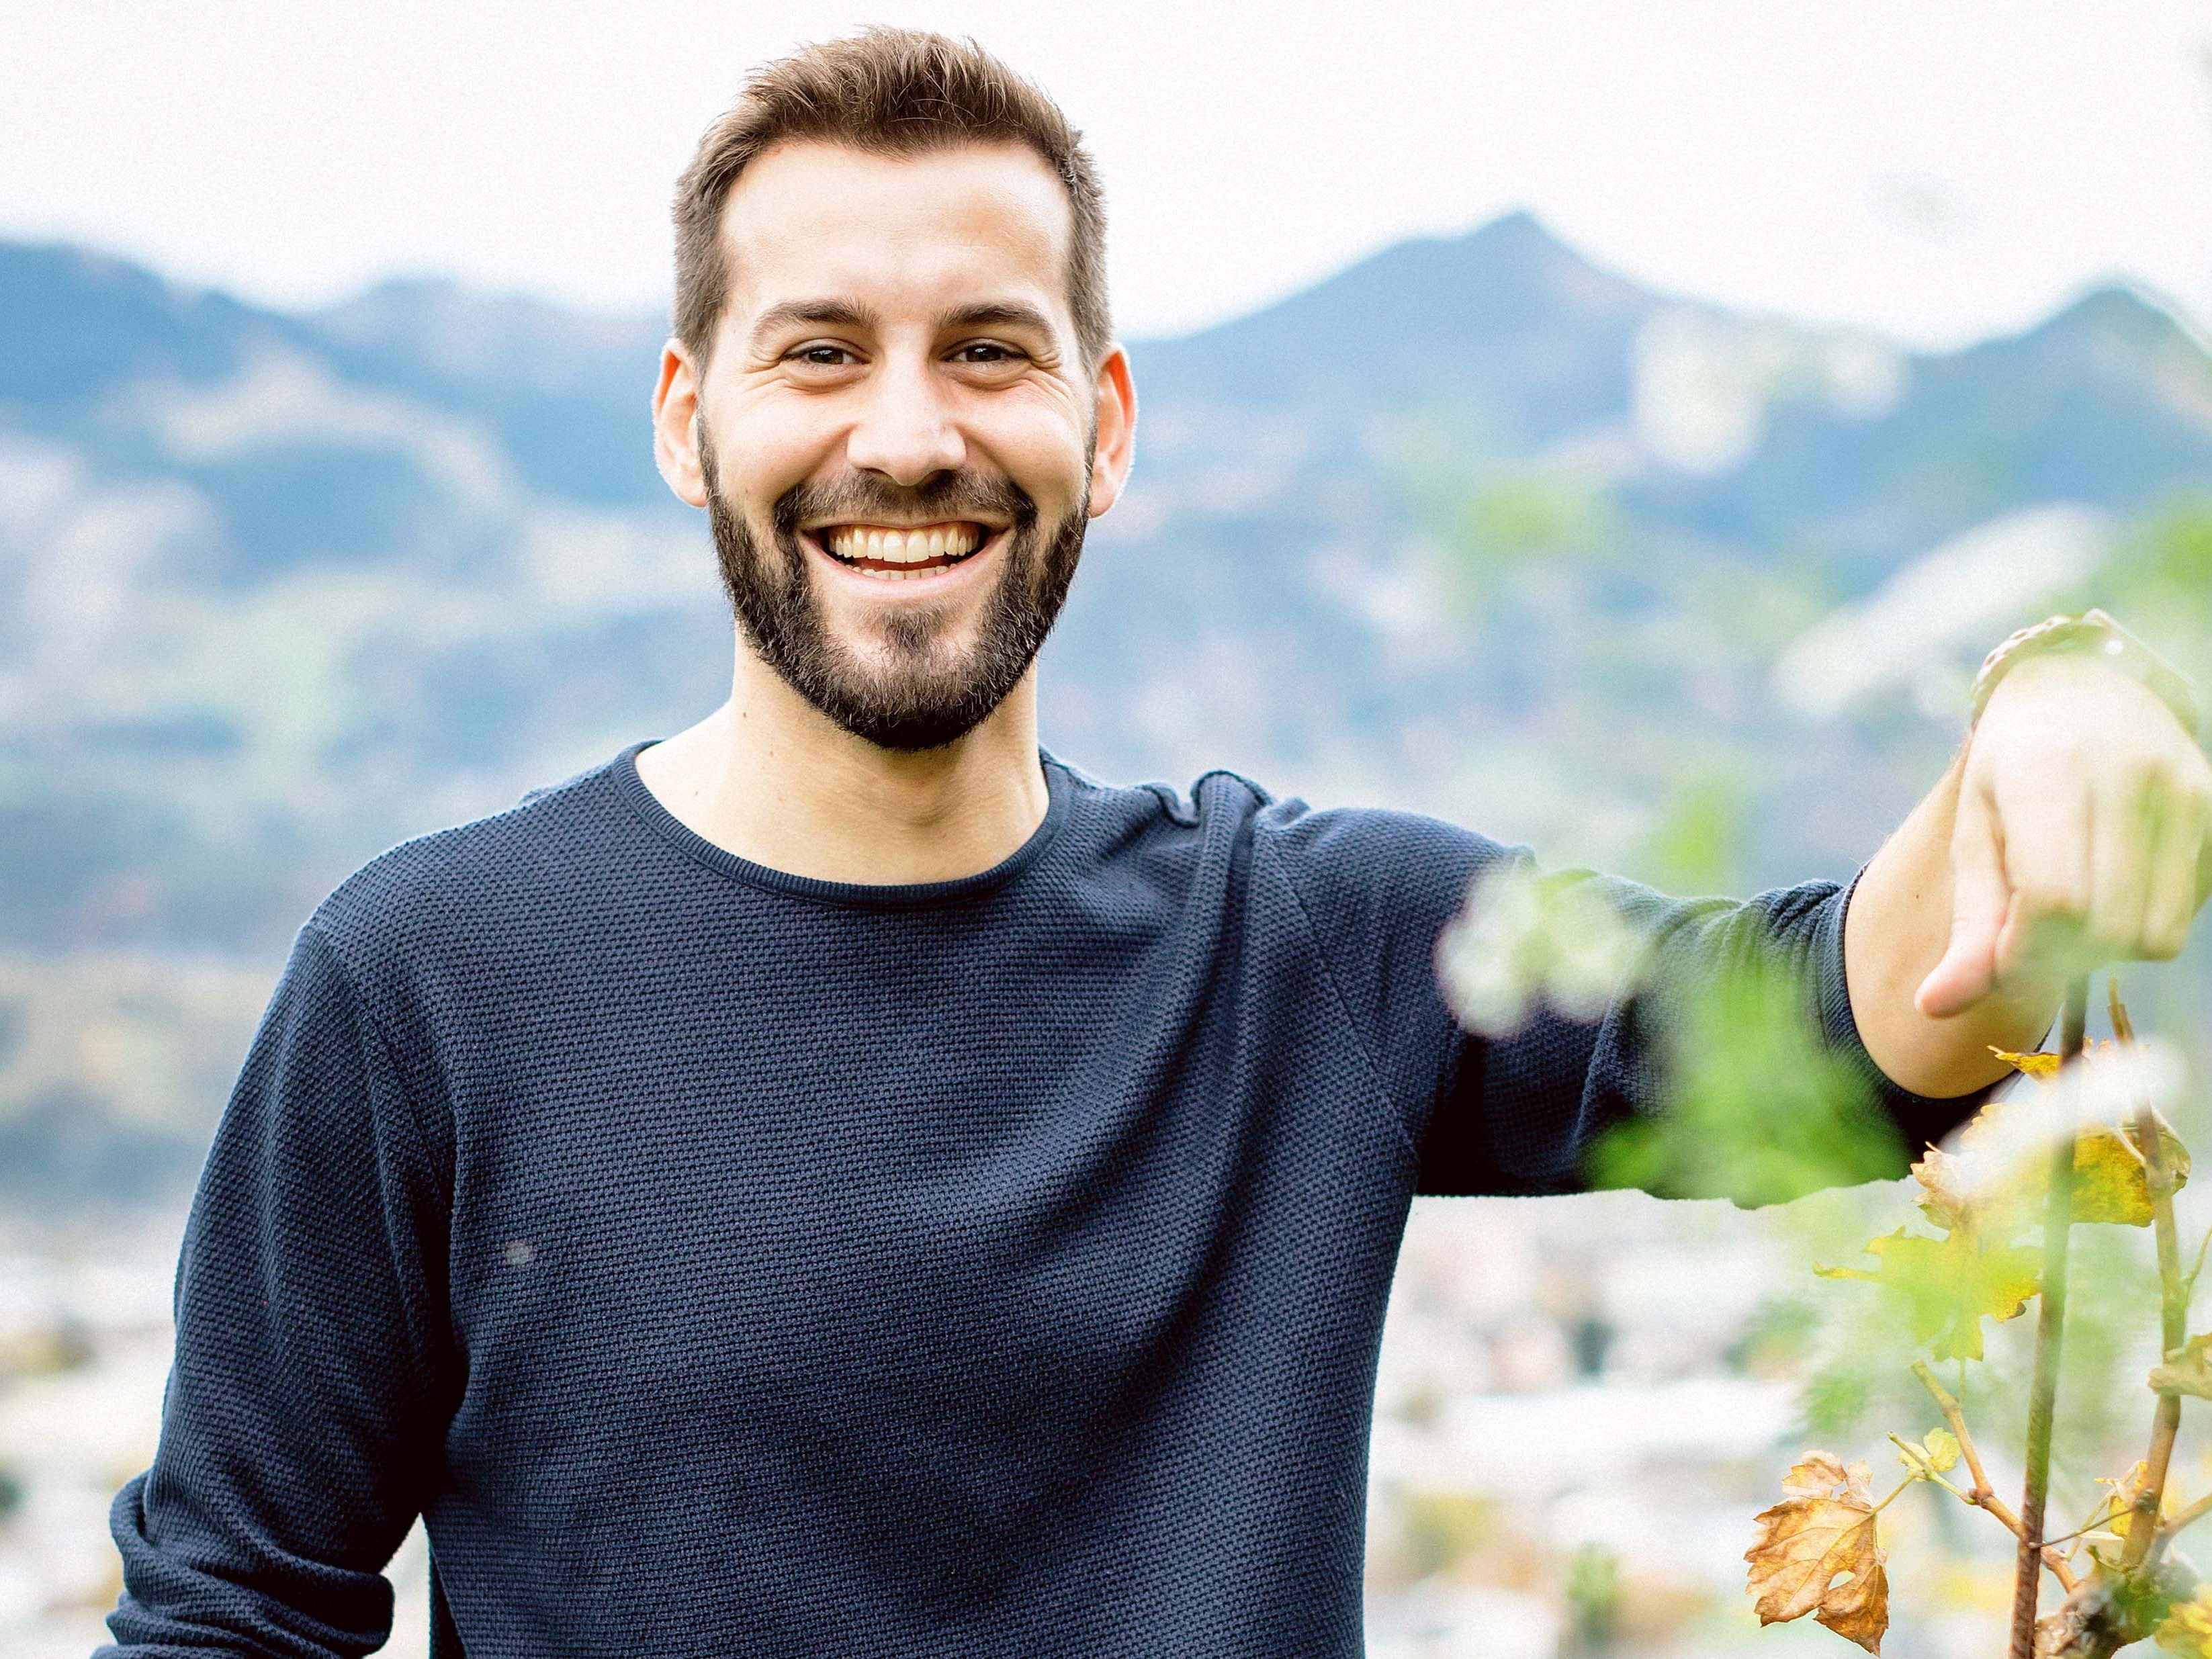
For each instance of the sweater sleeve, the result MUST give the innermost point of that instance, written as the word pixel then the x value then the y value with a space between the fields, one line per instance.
pixel 304 1413
pixel 1731 1048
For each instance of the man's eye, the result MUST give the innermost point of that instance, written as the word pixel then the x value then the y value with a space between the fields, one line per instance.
pixel 820 356
pixel 1006 354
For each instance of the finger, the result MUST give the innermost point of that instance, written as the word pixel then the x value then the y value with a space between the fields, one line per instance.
pixel 2123 841
pixel 1979 898
pixel 2048 849
pixel 2178 865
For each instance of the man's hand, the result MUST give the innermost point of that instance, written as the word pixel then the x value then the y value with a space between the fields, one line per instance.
pixel 2083 834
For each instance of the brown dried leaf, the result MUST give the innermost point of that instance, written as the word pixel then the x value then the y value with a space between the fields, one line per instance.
pixel 1945 1202
pixel 1950 1284
pixel 2187 1370
pixel 1816 1553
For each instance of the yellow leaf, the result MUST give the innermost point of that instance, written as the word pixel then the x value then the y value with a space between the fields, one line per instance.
pixel 1932 1457
pixel 2111 1184
pixel 2188 1629
pixel 1950 1286
pixel 1816 1553
pixel 2126 1493
pixel 2041 1068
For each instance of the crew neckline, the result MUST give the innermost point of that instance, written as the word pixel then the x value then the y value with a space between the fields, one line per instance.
pixel 898 895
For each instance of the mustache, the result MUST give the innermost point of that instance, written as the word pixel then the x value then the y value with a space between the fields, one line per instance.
pixel 948 496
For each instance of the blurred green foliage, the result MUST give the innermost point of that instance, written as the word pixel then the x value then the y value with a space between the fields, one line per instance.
pixel 1758 1109
pixel 1442 1528
pixel 1516 513
pixel 1498 518
pixel 2159 579
pixel 1698 844
pixel 1593 1598
pixel 1777 1338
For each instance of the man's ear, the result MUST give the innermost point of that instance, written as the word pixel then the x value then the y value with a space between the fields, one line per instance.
pixel 1116 413
pixel 675 424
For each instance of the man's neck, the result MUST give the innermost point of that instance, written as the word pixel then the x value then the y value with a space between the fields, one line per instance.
pixel 770 778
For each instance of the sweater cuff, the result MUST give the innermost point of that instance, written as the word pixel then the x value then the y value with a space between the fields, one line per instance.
pixel 1920 1120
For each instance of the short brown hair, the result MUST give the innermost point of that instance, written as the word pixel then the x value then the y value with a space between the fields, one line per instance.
pixel 888 92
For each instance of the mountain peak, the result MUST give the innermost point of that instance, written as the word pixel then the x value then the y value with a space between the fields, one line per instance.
pixel 1506 303
pixel 1514 258
pixel 2123 312
pixel 1521 228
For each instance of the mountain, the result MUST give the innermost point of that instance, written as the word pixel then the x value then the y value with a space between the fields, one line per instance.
pixel 1473 525
pixel 2108 404
pixel 565 395
pixel 1506 320
pixel 77 325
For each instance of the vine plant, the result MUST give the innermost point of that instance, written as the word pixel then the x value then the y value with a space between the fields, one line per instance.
pixel 1817 1551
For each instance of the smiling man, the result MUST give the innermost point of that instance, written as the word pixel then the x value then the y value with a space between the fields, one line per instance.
pixel 839 1181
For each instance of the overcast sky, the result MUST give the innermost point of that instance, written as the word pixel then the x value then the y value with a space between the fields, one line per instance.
pixel 1936 171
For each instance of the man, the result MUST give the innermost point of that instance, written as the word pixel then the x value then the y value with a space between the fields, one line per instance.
pixel 836 1180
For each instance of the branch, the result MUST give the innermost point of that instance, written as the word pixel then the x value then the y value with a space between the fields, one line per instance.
pixel 2175 1522
pixel 1982 1495
pixel 2098 1520
pixel 2173 1308
pixel 2189 1282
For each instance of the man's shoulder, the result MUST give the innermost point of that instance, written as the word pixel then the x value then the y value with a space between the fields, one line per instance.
pixel 437 890
pixel 1339 859
pixel 1353 839
pixel 1365 869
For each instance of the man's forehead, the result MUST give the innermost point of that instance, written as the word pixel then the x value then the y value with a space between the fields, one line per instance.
pixel 812 214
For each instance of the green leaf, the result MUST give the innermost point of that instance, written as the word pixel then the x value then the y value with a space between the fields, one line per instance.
pixel 1950 1284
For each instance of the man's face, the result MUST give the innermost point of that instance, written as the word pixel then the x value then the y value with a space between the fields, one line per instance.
pixel 895 439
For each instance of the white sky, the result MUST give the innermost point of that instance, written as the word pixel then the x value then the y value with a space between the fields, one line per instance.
pixel 1937 170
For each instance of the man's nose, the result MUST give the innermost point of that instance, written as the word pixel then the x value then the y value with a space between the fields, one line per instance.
pixel 906 431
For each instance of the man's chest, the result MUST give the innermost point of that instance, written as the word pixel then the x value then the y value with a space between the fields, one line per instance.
pixel 775 1222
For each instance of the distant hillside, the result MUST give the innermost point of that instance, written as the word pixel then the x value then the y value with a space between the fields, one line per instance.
pixel 380 547
pixel 1473 525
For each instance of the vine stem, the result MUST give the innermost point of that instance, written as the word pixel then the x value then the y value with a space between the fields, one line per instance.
pixel 1983 1496
pixel 2174 1311
pixel 2174 1523
pixel 2189 1280
pixel 1894 1495
pixel 2050 1335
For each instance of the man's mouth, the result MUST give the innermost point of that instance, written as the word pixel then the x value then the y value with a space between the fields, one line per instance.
pixel 900 552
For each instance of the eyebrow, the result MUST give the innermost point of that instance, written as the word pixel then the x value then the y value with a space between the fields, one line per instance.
pixel 845 314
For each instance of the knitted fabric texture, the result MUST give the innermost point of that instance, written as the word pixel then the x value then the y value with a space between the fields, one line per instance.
pixel 727 1262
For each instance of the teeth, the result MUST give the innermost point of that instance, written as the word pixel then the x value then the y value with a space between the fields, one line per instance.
pixel 901 547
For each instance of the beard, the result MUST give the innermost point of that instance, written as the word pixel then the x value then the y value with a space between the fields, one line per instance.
pixel 928 690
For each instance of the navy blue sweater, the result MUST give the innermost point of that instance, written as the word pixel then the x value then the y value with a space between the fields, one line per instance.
pixel 724 1261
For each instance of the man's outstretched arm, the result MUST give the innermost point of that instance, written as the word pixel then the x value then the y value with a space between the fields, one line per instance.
pixel 2074 828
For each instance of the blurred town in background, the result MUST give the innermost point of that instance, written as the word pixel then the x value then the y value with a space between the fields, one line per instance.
pixel 1473 528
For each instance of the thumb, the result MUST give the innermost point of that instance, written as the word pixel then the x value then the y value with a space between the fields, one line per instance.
pixel 1980 897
